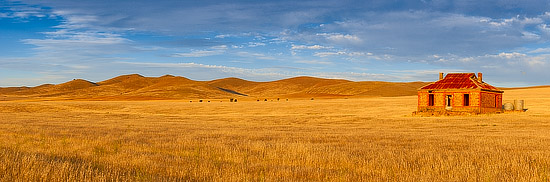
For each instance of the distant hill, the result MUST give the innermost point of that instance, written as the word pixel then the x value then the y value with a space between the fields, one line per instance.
pixel 137 87
pixel 531 87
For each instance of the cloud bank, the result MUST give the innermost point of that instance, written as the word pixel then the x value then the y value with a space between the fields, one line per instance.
pixel 357 40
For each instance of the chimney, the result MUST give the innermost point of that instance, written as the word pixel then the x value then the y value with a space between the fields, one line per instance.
pixel 440 76
pixel 480 77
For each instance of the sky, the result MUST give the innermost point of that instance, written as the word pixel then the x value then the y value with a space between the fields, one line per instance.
pixel 56 41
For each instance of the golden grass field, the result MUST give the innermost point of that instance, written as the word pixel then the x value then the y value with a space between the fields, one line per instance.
pixel 355 139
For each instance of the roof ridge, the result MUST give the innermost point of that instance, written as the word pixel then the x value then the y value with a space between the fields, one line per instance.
pixel 460 81
pixel 459 74
pixel 476 81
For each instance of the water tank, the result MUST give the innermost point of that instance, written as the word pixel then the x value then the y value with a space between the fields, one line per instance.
pixel 518 105
pixel 508 106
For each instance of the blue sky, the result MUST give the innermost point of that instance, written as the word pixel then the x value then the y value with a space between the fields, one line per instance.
pixel 386 40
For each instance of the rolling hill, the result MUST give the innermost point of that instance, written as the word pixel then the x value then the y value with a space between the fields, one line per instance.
pixel 138 87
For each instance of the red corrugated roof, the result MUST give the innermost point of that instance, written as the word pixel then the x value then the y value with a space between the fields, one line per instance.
pixel 460 81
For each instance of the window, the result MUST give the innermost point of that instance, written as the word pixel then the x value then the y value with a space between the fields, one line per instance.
pixel 431 100
pixel 449 99
pixel 466 99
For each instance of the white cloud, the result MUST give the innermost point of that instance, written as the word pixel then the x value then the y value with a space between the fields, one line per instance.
pixel 535 63
pixel 294 49
pixel 254 55
pixel 223 36
pixel 356 76
pixel 505 67
pixel 77 21
pixel 219 47
pixel 200 53
pixel 416 34
pixel 540 50
pixel 22 11
pixel 181 65
pixel 530 36
pixel 467 59
pixel 314 62
pixel 515 20
pixel 341 38
pixel 511 55
pixel 312 47
pixel 544 28
pixel 4 15
pixel 88 37
pixel 535 20
pixel 338 53
pixel 326 54
pixel 214 50
pixel 76 38
pixel 421 74
pixel 255 44
pixel 72 46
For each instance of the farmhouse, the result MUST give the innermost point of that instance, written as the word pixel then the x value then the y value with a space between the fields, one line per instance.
pixel 460 92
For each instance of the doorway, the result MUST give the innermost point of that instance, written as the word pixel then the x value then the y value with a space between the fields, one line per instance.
pixel 448 101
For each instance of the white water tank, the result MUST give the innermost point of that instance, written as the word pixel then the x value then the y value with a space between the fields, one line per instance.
pixel 518 105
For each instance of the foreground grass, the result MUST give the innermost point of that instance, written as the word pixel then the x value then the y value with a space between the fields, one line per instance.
pixel 321 140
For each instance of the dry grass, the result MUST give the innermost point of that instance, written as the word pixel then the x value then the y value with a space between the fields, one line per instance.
pixel 368 139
